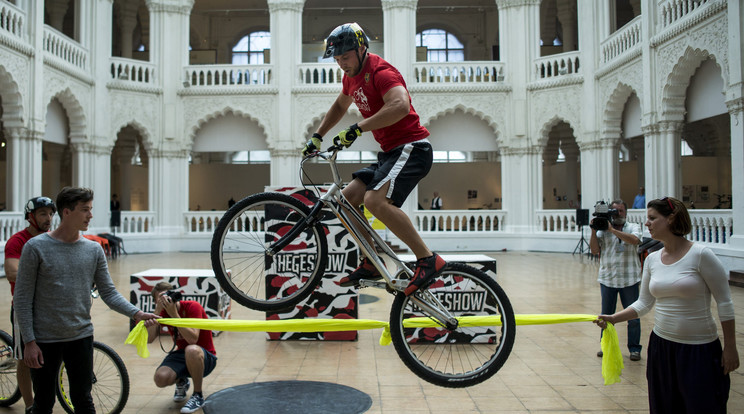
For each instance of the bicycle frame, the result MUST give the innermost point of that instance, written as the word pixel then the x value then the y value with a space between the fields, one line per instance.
pixel 348 215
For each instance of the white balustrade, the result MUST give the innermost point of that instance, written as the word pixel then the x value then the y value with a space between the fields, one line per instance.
pixel 622 40
pixel 64 48
pixel 459 220
pixel 557 65
pixel 201 222
pixel 672 10
pixel 137 222
pixel 319 73
pixel 556 221
pixel 459 72
pixel 132 70
pixel 10 223
pixel 12 19
pixel 227 75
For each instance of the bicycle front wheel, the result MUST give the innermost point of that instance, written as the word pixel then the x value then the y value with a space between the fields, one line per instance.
pixel 245 270
pixel 9 391
pixel 472 352
pixel 110 382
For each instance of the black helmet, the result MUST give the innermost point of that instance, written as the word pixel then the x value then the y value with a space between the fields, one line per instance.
pixel 348 36
pixel 39 202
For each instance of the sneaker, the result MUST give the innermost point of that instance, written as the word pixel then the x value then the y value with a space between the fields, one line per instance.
pixel 29 410
pixel 182 385
pixel 426 269
pixel 600 353
pixel 635 356
pixel 366 270
pixel 194 403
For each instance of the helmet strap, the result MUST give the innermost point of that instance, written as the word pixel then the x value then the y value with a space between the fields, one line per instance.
pixel 361 58
pixel 34 224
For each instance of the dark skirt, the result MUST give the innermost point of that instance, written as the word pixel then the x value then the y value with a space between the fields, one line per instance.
pixel 685 378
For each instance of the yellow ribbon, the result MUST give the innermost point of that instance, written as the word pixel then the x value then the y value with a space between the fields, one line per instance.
pixel 612 360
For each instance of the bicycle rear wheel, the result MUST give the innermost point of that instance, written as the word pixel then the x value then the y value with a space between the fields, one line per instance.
pixel 247 272
pixel 466 355
pixel 9 391
pixel 110 382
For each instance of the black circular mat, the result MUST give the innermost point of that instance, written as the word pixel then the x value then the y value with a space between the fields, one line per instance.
pixel 279 397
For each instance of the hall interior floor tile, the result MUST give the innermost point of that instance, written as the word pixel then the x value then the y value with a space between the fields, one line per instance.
pixel 551 368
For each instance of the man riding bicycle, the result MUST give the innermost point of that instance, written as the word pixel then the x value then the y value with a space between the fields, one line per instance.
pixel 380 93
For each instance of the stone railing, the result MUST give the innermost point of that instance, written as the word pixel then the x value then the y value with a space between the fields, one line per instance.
pixel 137 222
pixel 672 10
pixel 202 222
pixel 132 70
pixel 712 226
pixel 319 74
pixel 65 49
pixel 11 222
pixel 557 65
pixel 12 19
pixel 459 220
pixel 622 40
pixel 227 75
pixel 556 221
pixel 458 72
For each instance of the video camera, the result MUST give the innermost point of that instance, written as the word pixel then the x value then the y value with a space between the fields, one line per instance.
pixel 603 216
pixel 174 295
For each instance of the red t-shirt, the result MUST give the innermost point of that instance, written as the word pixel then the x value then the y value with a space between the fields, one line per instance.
pixel 14 247
pixel 368 87
pixel 192 309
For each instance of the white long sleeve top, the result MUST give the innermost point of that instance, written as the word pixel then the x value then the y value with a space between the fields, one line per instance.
pixel 681 292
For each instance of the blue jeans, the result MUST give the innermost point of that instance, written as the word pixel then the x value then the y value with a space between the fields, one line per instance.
pixel 628 295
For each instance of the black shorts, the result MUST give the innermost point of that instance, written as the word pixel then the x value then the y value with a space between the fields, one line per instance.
pixel 176 361
pixel 403 167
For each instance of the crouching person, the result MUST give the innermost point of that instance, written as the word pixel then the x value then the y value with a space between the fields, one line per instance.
pixel 194 355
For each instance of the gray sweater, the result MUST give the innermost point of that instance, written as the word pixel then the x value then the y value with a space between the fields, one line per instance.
pixel 52 298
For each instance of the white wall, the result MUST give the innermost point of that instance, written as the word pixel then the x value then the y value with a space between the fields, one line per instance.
pixel 230 133
pixel 705 96
pixel 57 128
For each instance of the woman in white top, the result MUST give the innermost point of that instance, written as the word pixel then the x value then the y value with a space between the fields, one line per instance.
pixel 686 369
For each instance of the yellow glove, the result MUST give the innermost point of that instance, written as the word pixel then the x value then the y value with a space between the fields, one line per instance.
pixel 313 144
pixel 347 136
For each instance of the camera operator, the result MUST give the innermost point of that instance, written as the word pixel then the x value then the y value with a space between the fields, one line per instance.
pixel 194 356
pixel 619 265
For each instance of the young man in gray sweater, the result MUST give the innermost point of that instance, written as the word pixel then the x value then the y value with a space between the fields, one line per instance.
pixel 52 300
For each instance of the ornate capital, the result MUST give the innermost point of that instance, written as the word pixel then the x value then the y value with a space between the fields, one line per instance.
pixel 520 151
pixel 735 106
pixel 286 5
pixel 168 153
pixel 399 4
pixel 170 6
pixel 505 4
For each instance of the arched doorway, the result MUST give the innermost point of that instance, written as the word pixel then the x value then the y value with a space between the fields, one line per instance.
pixel 561 169
pixel 130 170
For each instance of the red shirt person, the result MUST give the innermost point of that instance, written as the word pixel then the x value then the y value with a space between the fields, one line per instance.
pixel 39 212
pixel 379 92
pixel 194 356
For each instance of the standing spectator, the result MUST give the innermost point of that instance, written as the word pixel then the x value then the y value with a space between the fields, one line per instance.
pixel 39 212
pixel 115 208
pixel 194 356
pixel 686 369
pixel 619 268
pixel 380 94
pixel 52 302
pixel 436 202
pixel 640 199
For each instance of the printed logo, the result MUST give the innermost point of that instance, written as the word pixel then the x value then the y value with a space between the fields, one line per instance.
pixel 366 78
pixel 360 99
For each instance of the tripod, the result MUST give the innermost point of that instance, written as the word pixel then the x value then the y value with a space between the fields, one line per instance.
pixel 580 245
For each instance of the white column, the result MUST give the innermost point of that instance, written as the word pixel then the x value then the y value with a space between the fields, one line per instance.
pixel 662 160
pixel 599 171
pixel 735 104
pixel 286 53
pixel 91 168
pixel 399 34
pixel 127 23
pixel 522 191
pixel 23 158
pixel 567 17
pixel 167 180
pixel 56 10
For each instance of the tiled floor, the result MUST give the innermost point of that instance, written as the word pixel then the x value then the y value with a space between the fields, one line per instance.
pixel 552 367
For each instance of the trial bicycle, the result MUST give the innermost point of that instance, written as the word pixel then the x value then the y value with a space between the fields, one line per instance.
pixel 269 252
pixel 110 390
